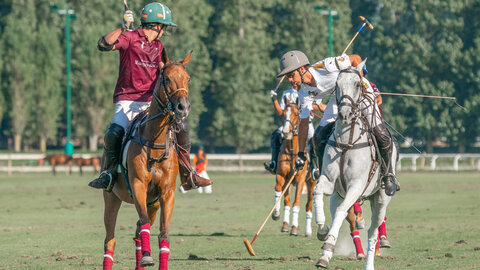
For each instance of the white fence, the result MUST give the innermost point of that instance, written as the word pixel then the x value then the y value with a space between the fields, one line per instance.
pixel 10 163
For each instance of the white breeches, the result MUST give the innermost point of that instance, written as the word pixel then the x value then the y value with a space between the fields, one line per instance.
pixel 126 110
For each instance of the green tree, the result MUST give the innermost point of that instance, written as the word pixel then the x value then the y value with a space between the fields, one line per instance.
pixel 48 76
pixel 190 35
pixel 417 45
pixel 243 69
pixel 94 72
pixel 18 38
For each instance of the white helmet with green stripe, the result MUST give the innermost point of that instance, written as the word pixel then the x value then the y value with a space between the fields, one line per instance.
pixel 156 13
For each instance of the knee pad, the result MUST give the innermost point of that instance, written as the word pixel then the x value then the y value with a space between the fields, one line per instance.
pixel 113 136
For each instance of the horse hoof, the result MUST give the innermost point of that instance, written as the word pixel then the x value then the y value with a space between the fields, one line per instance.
pixel 322 233
pixel 284 227
pixel 147 261
pixel 384 243
pixel 294 231
pixel 359 222
pixel 276 215
pixel 360 256
pixel 322 263
pixel 308 234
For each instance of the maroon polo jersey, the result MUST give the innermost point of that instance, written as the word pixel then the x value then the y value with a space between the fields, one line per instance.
pixel 138 70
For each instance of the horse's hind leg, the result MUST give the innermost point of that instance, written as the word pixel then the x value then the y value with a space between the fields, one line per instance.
pixel 112 205
pixel 308 208
pixel 355 233
pixel 152 212
pixel 167 201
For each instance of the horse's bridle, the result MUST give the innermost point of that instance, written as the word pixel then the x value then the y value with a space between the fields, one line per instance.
pixel 294 127
pixel 354 104
pixel 167 108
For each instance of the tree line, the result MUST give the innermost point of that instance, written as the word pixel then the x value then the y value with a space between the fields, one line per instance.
pixel 423 47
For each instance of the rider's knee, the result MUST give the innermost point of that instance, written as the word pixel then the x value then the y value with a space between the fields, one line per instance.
pixel 114 135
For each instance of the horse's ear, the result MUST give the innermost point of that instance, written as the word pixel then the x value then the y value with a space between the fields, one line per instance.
pixel 165 56
pixel 187 59
pixel 361 65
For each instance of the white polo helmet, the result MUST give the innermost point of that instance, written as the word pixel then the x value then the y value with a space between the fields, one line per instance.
pixel 291 61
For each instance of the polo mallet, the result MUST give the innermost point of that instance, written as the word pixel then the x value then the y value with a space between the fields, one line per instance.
pixel 280 82
pixel 365 23
pixel 248 244
pixel 125 4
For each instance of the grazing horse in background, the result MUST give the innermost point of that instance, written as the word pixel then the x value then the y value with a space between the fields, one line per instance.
pixel 93 161
pixel 285 169
pixel 152 165
pixel 55 160
pixel 350 167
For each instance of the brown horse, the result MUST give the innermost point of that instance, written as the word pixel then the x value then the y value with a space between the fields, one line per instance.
pixel 55 160
pixel 93 161
pixel 152 165
pixel 285 169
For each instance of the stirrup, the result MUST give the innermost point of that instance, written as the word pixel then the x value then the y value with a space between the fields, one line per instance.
pixel 107 173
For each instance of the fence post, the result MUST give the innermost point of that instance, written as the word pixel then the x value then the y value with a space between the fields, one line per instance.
pixel 433 162
pixel 9 165
pixel 455 162
pixel 414 163
pixel 399 165
pixel 240 161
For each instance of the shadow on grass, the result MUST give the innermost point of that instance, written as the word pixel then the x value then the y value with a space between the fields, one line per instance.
pixel 216 234
pixel 193 257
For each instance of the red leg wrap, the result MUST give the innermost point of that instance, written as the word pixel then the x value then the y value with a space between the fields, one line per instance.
pixel 108 260
pixel 382 230
pixel 145 237
pixel 164 253
pixel 357 208
pixel 357 242
pixel 138 254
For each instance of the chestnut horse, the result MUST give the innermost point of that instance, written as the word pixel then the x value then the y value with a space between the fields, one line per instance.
pixel 55 160
pixel 152 165
pixel 285 169
pixel 93 161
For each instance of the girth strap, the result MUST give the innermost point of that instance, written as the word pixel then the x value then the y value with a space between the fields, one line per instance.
pixel 344 146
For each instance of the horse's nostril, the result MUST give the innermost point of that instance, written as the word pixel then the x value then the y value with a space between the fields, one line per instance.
pixel 180 107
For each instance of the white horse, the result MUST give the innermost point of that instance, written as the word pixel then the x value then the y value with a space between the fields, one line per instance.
pixel 349 170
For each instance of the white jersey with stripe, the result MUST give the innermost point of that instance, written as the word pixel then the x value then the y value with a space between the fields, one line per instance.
pixel 325 73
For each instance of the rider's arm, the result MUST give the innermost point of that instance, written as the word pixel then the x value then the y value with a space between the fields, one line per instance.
pixel 319 107
pixel 355 59
pixel 108 42
pixel 378 99
pixel 276 105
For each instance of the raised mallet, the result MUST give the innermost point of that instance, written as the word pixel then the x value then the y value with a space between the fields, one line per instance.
pixel 365 23
pixel 248 244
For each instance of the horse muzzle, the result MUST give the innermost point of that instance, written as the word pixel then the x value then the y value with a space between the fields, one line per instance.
pixel 346 114
pixel 182 108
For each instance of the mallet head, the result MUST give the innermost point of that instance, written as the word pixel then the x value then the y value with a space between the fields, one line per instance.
pixel 363 19
pixel 248 246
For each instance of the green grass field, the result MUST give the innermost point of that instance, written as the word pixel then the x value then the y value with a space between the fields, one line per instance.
pixel 49 222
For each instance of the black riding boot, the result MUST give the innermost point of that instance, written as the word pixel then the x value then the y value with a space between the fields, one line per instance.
pixel 112 147
pixel 314 170
pixel 320 139
pixel 385 145
pixel 275 143
pixel 189 177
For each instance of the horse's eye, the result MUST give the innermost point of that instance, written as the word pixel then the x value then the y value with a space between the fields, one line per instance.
pixel 166 80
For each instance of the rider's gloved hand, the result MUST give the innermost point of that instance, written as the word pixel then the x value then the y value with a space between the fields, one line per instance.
pixel 273 95
pixel 300 162
pixel 128 20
